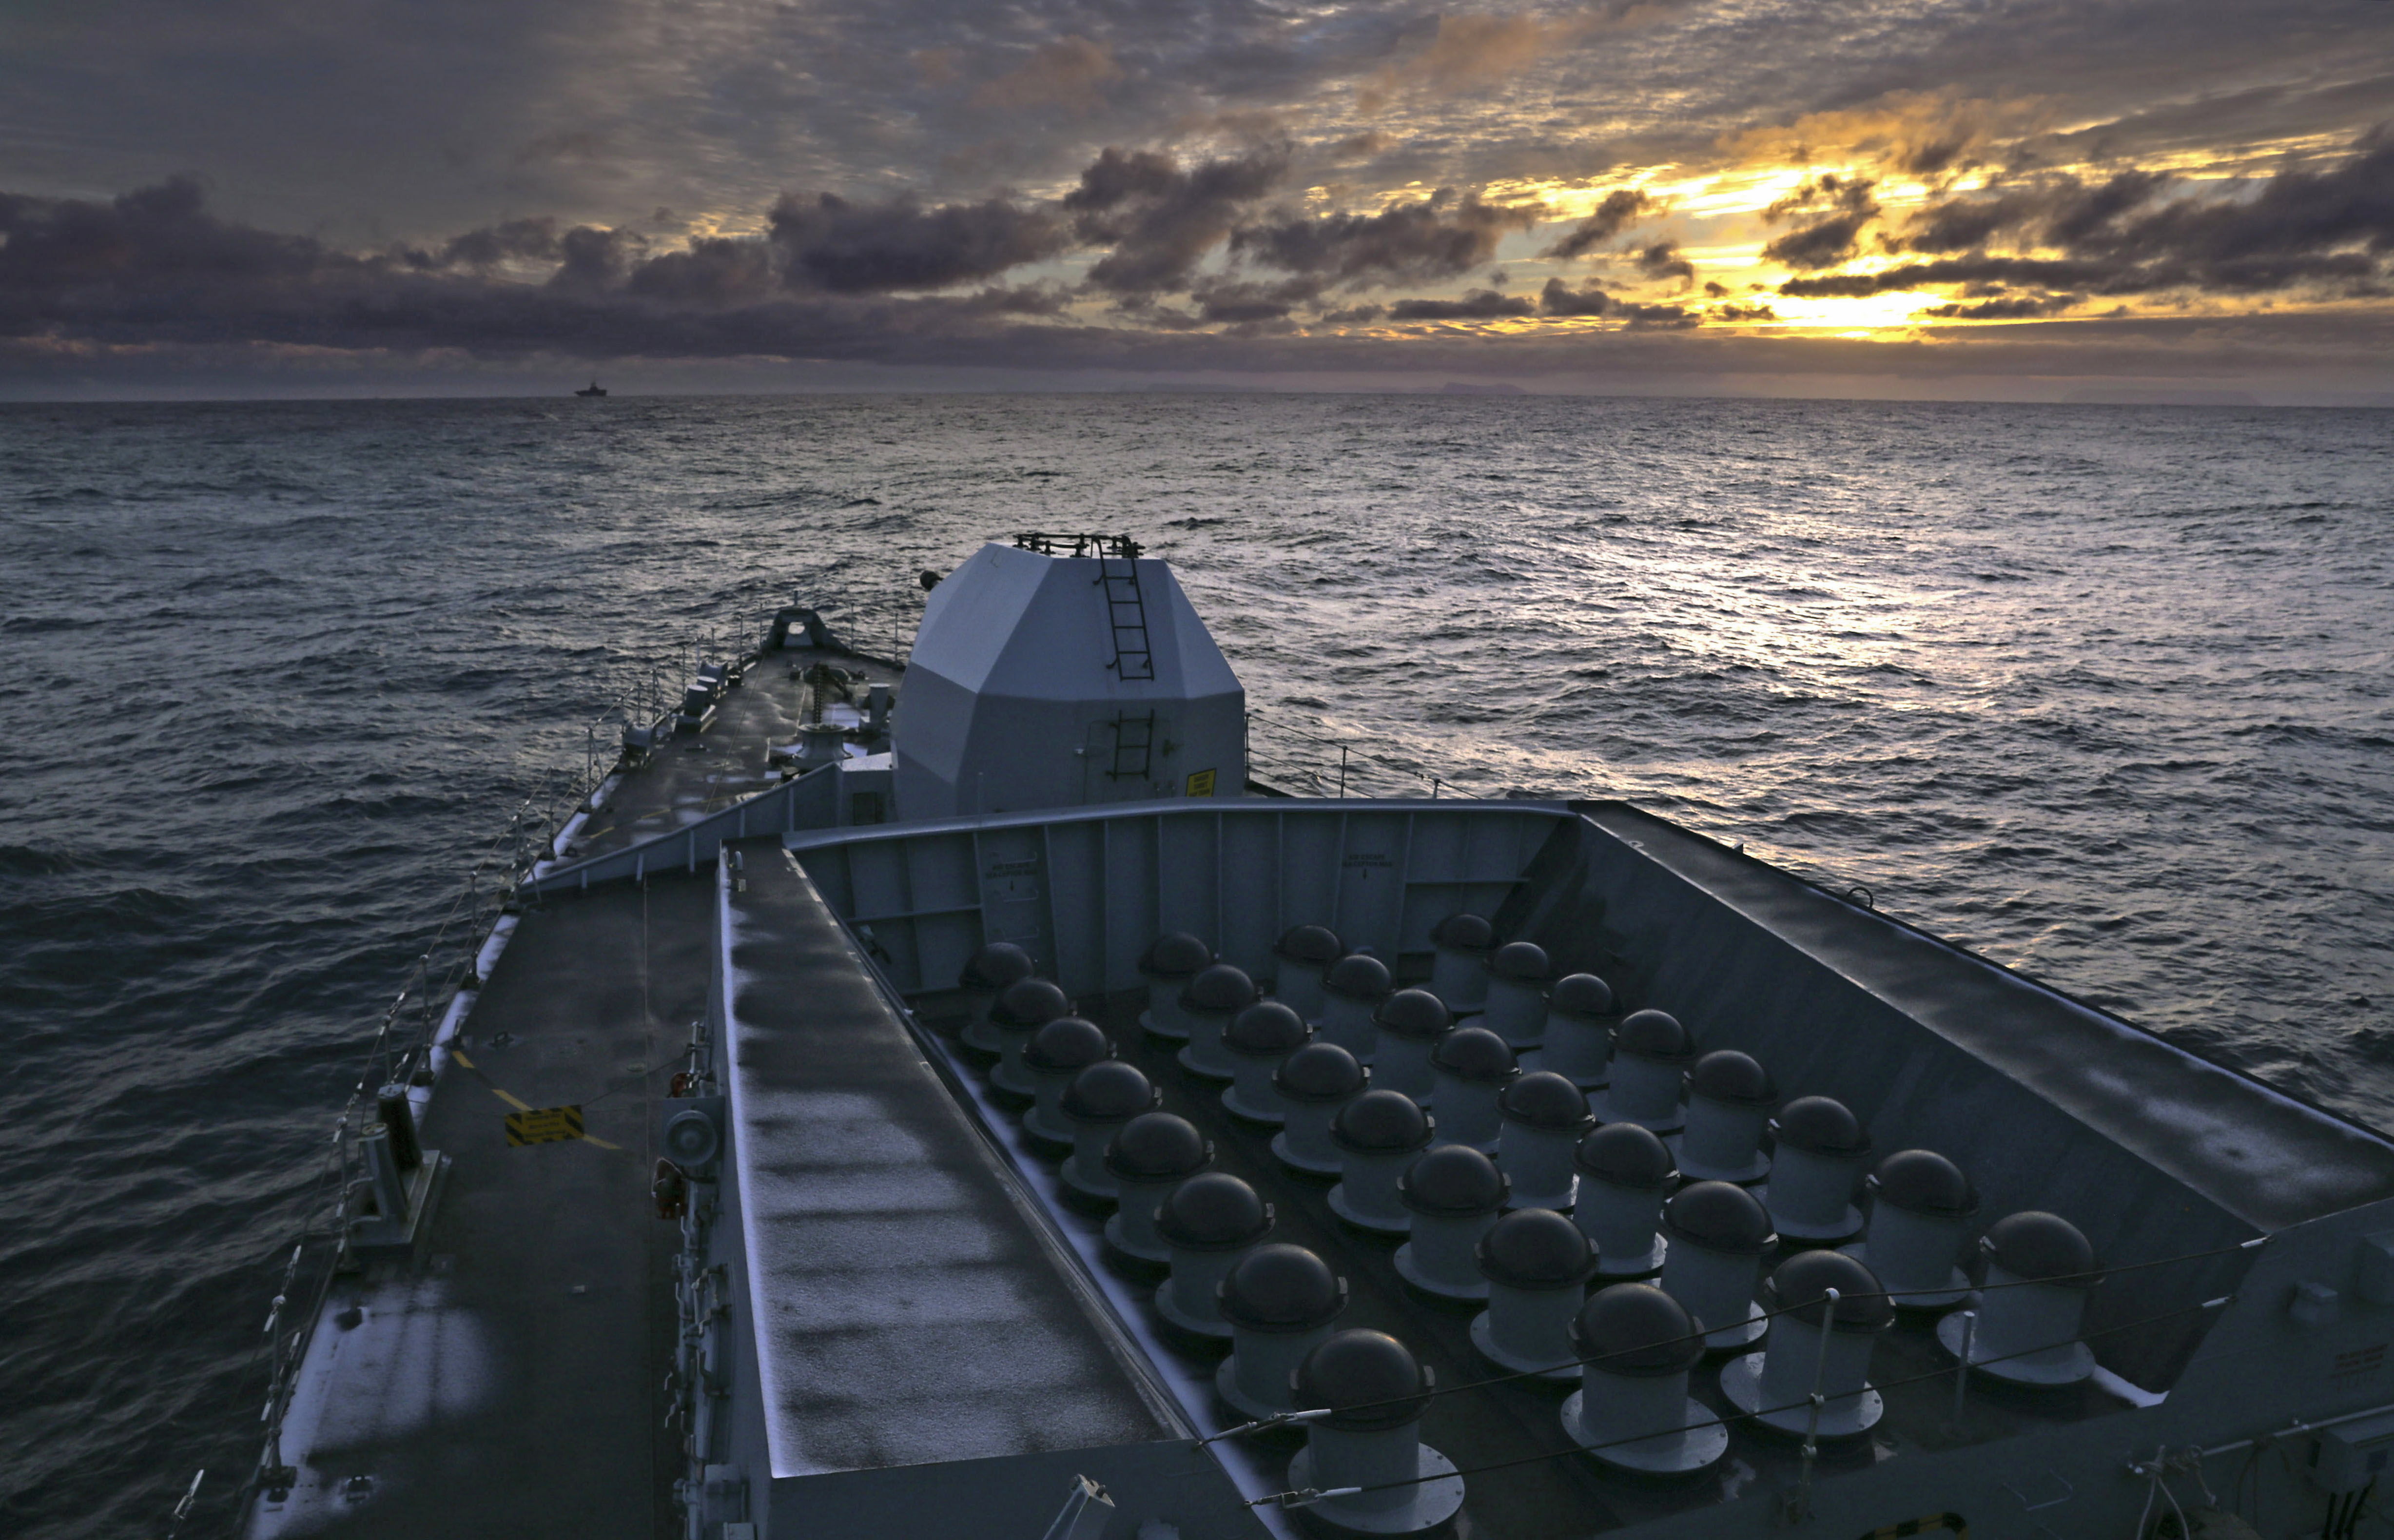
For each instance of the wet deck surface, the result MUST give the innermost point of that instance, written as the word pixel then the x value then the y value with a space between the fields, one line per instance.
pixel 691 775
pixel 510 1381
pixel 908 1305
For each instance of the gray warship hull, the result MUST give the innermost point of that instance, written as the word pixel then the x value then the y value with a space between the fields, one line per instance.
pixel 861 1295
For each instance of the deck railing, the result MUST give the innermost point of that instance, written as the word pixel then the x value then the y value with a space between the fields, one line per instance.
pixel 1304 760
pixel 639 691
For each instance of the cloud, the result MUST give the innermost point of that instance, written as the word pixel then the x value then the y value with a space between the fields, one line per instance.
pixel 593 260
pixel 714 271
pixel 2024 307
pixel 831 244
pixel 1476 305
pixel 1620 210
pixel 1161 220
pixel 1743 312
pixel 2058 211
pixel 1662 260
pixel 159 239
pixel 1066 72
pixel 1831 237
pixel 1471 50
pixel 1913 133
pixel 1561 298
pixel 1442 236
pixel 1235 302
pixel 1675 317
pixel 2332 229
pixel 1358 147
pixel 532 240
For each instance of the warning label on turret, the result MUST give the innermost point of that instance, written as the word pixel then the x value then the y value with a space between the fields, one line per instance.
pixel 1201 783
pixel 543 1124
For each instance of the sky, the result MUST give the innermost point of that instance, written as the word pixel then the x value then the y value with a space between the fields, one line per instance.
pixel 2089 201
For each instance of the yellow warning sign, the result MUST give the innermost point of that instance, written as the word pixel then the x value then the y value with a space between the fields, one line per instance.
pixel 543 1124
pixel 1201 783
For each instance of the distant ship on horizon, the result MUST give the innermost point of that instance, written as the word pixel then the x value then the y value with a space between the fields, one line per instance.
pixel 595 390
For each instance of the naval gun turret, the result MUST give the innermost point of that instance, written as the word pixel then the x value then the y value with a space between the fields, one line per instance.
pixel 1061 672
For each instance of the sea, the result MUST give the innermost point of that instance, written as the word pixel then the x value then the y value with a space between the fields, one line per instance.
pixel 2105 693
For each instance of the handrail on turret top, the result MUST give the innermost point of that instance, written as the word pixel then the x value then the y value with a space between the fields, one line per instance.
pixel 1121 547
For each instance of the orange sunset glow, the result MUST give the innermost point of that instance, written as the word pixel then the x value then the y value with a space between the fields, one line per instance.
pixel 2002 199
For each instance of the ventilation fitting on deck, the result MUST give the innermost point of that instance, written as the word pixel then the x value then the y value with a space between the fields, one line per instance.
pixel 1517 994
pixel 1257 1039
pixel 1204 1223
pixel 1921 1209
pixel 1407 1026
pixel 1168 964
pixel 1718 1236
pixel 1281 1301
pixel 1537 1265
pixel 1632 1410
pixel 1822 1148
pixel 1304 954
pixel 1815 1346
pixel 1624 1173
pixel 2039 1269
pixel 1310 1086
pixel 1453 1194
pixel 1377 1135
pixel 1579 1029
pixel 1458 970
pixel 1728 1101
pixel 1469 1069
pixel 1021 1008
pixel 1101 1099
pixel 1211 998
pixel 985 973
pixel 1650 1054
pixel 1369 1448
pixel 1351 994
pixel 1152 1155
pixel 1544 1116
pixel 1057 1052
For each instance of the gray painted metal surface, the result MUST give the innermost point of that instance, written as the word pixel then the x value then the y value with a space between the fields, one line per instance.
pixel 1085 891
pixel 927 1343
pixel 1924 1040
pixel 1017 694
pixel 901 1300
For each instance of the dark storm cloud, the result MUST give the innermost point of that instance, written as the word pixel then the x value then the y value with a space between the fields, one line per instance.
pixel 2059 212
pixel 1244 302
pixel 1476 305
pixel 1442 236
pixel 1835 210
pixel 593 260
pixel 2022 309
pixel 838 247
pixel 1559 298
pixel 516 241
pixel 1670 317
pixel 159 235
pixel 160 259
pixel 2135 233
pixel 1662 261
pixel 155 266
pixel 1619 211
pixel 1162 219
pixel 404 119
pixel 715 270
